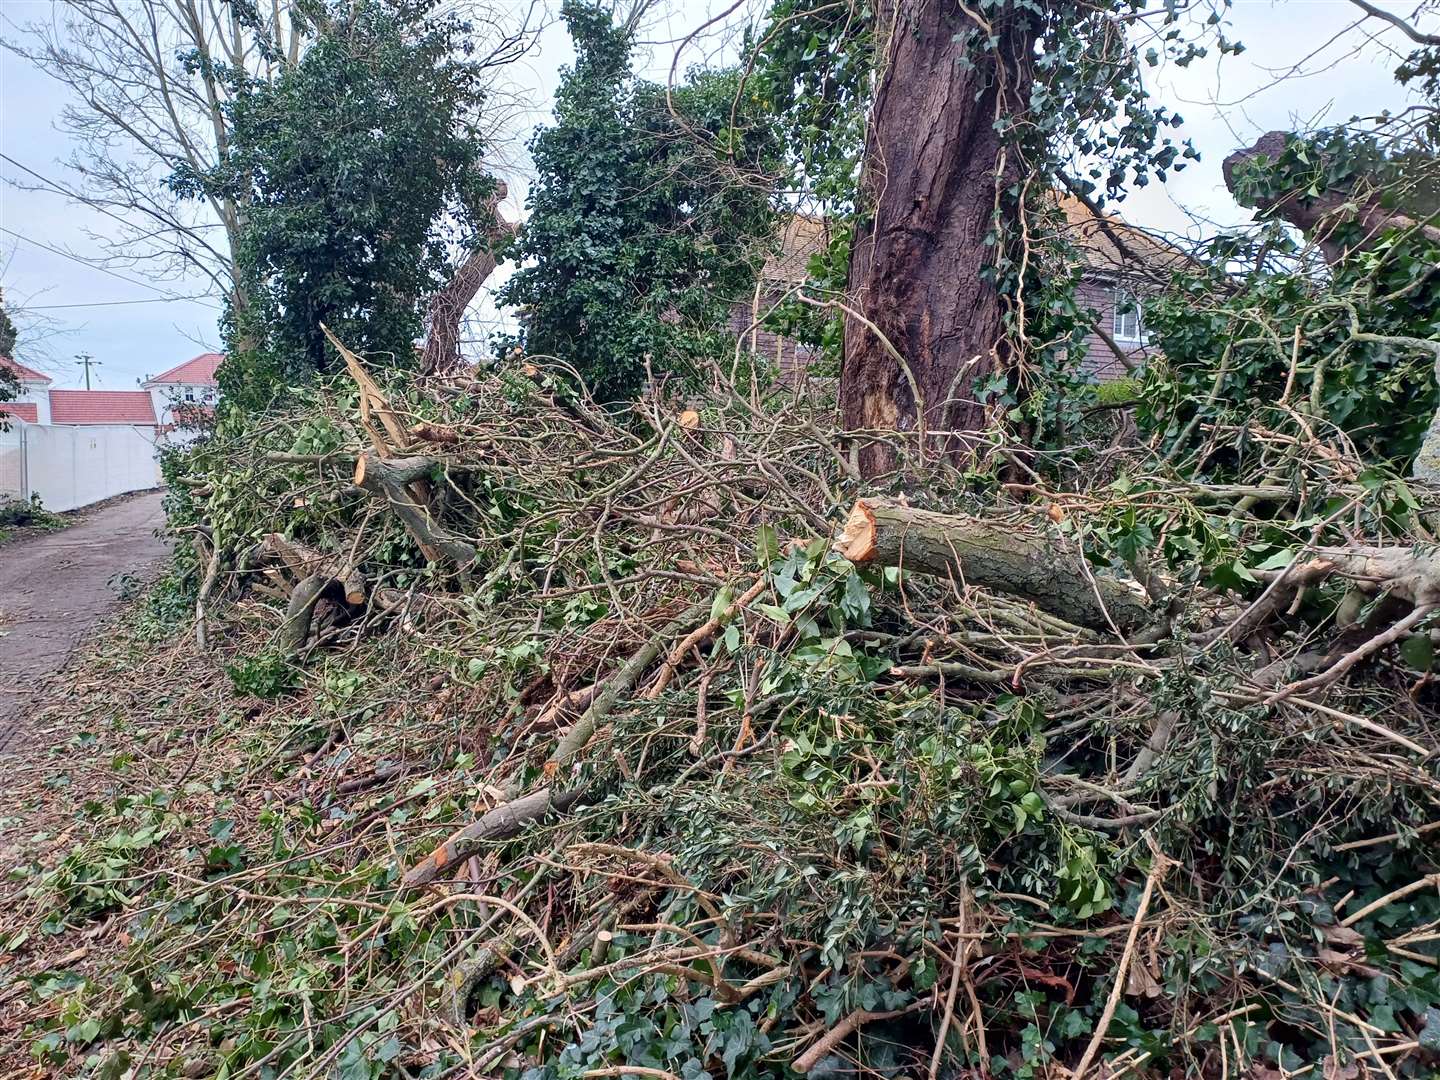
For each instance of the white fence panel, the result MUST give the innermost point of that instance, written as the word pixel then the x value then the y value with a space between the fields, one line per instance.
pixel 70 467
pixel 12 458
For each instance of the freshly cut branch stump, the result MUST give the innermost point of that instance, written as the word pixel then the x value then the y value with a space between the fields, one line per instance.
pixel 883 532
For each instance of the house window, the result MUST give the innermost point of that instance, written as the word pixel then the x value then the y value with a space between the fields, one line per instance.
pixel 189 393
pixel 1126 324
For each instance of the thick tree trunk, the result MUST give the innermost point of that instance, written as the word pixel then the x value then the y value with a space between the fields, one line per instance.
pixel 885 533
pixel 934 165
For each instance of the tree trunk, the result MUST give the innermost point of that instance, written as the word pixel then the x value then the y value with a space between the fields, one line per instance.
pixel 447 307
pixel 933 171
pixel 885 533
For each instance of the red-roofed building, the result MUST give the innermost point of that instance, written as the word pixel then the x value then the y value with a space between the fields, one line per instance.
pixel 25 410
pixel 32 391
pixel 183 392
pixel 102 407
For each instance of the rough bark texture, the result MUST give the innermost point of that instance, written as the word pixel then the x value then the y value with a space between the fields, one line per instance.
pixel 447 307
pixel 971 552
pixel 933 164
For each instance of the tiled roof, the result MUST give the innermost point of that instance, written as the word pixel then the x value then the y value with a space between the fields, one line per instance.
pixel 25 410
pixel 1100 238
pixel 24 373
pixel 803 235
pixel 197 372
pixel 101 407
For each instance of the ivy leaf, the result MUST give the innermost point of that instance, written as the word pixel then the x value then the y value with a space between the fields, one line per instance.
pixel 1418 651
pixel 1429 1037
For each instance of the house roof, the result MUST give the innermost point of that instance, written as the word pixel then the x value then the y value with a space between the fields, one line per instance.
pixel 25 410
pixel 101 407
pixel 1107 243
pixel 23 373
pixel 199 371
pixel 801 236
pixel 1111 244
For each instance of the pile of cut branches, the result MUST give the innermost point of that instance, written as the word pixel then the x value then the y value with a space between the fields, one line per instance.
pixel 504 735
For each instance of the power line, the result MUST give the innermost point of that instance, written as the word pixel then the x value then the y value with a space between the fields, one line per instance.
pixel 117 303
pixel 85 262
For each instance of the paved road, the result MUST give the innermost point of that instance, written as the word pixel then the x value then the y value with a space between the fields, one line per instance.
pixel 53 587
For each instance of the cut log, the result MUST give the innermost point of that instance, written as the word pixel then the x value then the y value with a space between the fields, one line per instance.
pixel 1032 566
pixel 393 479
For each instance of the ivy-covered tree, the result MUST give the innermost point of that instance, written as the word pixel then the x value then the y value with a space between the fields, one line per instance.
pixel 648 217
pixel 358 165
pixel 1337 319
pixel 973 112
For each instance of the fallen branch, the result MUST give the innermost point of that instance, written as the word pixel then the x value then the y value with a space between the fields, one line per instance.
pixel 882 532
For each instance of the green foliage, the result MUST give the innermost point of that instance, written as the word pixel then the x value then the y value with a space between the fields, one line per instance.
pixel 1359 362
pixel 356 166
pixel 28 513
pixel 267 675
pixel 645 223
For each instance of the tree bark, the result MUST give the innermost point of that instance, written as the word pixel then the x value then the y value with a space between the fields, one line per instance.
pixel 969 551
pixel 447 307
pixel 1318 215
pixel 931 181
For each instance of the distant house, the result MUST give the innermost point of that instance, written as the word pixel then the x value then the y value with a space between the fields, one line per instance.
pixel 186 392
pixel 1121 263
pixel 33 404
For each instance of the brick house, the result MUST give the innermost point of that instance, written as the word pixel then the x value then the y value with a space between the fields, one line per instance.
pixel 1121 262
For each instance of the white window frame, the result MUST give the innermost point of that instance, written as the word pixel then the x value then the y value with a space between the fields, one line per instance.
pixel 1126 326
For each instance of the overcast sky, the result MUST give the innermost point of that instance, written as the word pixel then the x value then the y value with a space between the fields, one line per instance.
pixel 1292 73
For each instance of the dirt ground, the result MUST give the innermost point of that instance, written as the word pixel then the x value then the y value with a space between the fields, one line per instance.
pixel 53 588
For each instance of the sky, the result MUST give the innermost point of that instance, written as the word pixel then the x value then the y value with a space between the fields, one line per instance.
pixel 1293 73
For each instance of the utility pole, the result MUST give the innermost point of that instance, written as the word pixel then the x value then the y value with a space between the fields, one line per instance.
pixel 86 361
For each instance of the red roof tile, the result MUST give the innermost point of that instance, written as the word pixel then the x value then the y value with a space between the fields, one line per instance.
pixel 197 372
pixel 25 410
pixel 25 374
pixel 101 407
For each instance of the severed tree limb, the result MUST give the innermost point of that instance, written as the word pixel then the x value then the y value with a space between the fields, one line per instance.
pixel 296 628
pixel 622 682
pixel 441 354
pixel 698 636
pixel 844 1029
pixel 501 823
pixel 883 532
pixel 1158 868
pixel 394 480
pixel 1350 659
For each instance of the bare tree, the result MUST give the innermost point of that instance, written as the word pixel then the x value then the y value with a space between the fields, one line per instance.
pixel 151 81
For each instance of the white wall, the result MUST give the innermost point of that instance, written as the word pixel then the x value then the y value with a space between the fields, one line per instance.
pixel 73 466
pixel 39 396
pixel 12 460
pixel 166 396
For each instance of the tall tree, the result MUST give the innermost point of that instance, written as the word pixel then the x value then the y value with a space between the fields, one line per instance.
pixel 153 87
pixel 648 215
pixel 974 113
pixel 151 84
pixel 358 165
pixel 9 382
pixel 937 167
